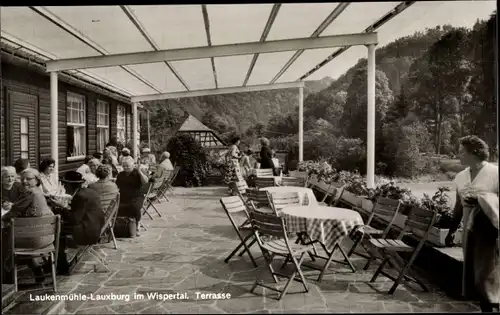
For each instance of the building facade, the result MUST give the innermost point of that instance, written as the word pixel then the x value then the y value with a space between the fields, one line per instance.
pixel 88 114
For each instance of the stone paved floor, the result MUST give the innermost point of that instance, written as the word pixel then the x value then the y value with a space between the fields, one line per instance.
pixel 184 251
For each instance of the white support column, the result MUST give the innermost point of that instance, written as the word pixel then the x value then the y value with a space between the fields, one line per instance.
pixel 135 132
pixel 370 137
pixel 54 106
pixel 301 124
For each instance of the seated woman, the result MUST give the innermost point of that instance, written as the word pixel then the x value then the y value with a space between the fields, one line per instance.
pixel 130 183
pixel 85 219
pixel 114 170
pixel 21 165
pixel 84 168
pixel 104 186
pixel 25 200
pixel 50 182
pixel 90 177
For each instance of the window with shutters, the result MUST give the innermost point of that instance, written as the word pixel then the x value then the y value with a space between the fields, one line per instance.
pixel 24 122
pixel 102 125
pixel 121 123
pixel 75 126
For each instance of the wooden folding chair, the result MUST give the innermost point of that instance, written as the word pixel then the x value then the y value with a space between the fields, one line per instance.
pixel 419 223
pixel 280 200
pixel 383 208
pixel 260 172
pixel 258 200
pixel 232 205
pixel 151 196
pixel 263 182
pixel 106 200
pixel 148 188
pixel 239 188
pixel 109 222
pixel 278 246
pixel 26 229
pixel 168 184
pixel 296 182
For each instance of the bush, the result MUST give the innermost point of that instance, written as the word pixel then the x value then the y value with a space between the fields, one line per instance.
pixel 349 155
pixel 188 153
pixel 405 145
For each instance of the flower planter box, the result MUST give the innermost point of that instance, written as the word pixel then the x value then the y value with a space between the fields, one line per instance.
pixel 437 236
pixel 352 199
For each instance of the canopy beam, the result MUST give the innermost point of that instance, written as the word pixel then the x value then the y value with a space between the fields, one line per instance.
pixel 263 37
pixel 321 28
pixel 228 90
pixel 212 51
pixel 135 20
pixel 206 21
pixel 372 28
pixel 54 19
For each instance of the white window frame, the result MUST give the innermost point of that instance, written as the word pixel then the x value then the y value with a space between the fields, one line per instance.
pixel 121 123
pixel 82 109
pixel 102 115
pixel 26 134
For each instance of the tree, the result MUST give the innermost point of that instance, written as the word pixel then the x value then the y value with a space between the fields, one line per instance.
pixel 354 116
pixel 481 112
pixel 441 76
pixel 164 122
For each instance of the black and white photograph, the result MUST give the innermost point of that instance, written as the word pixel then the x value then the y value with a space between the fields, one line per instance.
pixel 259 158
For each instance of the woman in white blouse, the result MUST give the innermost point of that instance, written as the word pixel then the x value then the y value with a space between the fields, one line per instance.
pixel 50 182
pixel 481 271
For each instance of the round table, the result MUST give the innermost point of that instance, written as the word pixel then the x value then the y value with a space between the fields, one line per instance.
pixel 328 225
pixel 306 195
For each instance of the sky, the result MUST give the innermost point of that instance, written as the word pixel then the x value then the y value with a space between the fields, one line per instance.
pixel 110 30
pixel 422 15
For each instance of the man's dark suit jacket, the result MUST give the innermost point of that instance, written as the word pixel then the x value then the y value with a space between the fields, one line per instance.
pixel 86 217
pixel 266 158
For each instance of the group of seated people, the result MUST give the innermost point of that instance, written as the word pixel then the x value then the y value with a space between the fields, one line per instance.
pixel 27 192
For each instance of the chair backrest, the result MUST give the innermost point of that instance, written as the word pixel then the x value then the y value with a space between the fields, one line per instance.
pixel 385 208
pixel 419 222
pixel 298 174
pixel 110 213
pixel 240 187
pixel 293 181
pixel 267 224
pixel 336 190
pixel 26 230
pixel 280 200
pixel 262 182
pixel 259 172
pixel 231 205
pixel 106 199
pixel 147 189
pixel 174 174
pixel 258 198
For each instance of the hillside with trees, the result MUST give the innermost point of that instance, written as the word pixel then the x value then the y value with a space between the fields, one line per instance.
pixel 432 88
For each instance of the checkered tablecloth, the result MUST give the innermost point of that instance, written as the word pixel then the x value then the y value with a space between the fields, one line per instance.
pixel 328 225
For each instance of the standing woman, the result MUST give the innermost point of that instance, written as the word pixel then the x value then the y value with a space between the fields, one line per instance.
pixel 266 155
pixel 233 171
pixel 481 273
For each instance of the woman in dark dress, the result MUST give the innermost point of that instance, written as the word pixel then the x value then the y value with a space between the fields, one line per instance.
pixel 130 182
pixel 266 155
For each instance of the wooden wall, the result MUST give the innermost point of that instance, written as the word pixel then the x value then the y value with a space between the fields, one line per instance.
pixel 27 80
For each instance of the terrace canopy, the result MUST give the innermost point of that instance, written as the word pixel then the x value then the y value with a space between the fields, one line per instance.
pixel 172 51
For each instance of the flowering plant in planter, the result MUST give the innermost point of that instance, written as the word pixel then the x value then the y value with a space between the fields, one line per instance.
pixel 354 183
pixel 392 191
pixel 324 171
pixel 441 204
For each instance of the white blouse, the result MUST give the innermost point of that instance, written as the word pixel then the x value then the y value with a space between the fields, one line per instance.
pixel 486 180
pixel 50 183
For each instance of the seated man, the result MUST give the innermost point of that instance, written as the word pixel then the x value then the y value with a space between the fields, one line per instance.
pixel 84 221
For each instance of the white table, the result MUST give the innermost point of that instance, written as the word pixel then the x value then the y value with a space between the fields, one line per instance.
pixel 327 225
pixel 306 195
